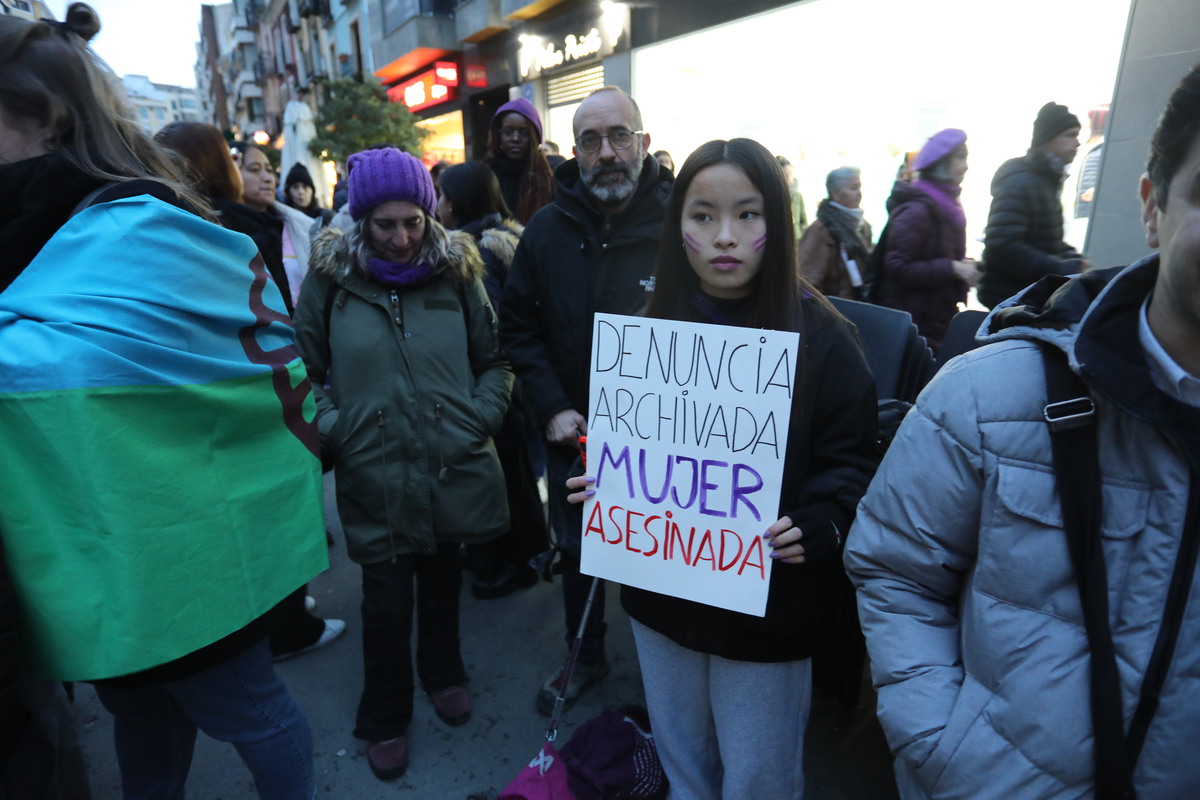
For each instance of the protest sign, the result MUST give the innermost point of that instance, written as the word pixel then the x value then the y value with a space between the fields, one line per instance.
pixel 687 432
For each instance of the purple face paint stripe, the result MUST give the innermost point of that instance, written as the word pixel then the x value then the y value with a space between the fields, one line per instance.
pixel 761 243
pixel 692 244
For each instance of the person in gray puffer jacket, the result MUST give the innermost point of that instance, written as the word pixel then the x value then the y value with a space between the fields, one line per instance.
pixel 395 316
pixel 966 587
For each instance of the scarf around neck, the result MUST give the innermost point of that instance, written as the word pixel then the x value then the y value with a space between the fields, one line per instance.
pixel 847 229
pixel 946 197
pixel 398 275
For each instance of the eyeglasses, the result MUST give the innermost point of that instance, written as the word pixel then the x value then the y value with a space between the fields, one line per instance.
pixel 620 140
pixel 521 134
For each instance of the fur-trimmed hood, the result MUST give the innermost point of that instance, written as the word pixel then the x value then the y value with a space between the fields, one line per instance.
pixel 331 256
pixel 500 239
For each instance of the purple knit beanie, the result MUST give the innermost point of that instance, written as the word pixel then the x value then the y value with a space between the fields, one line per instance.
pixel 525 109
pixel 377 176
pixel 940 145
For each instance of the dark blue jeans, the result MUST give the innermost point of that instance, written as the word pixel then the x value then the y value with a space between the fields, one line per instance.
pixel 241 701
pixel 385 708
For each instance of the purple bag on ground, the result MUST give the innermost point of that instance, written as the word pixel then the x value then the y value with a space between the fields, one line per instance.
pixel 610 757
pixel 544 778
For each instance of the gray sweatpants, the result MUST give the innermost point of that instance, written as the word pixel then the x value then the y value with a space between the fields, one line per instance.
pixel 725 729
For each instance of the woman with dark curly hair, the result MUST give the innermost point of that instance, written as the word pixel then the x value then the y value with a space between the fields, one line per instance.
pixel 515 155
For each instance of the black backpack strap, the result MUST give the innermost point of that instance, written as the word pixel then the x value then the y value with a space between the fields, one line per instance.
pixel 1071 416
pixel 93 197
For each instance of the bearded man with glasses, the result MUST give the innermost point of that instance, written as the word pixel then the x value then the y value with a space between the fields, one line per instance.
pixel 591 250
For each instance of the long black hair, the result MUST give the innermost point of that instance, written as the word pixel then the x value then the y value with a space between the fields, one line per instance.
pixel 535 185
pixel 473 192
pixel 779 288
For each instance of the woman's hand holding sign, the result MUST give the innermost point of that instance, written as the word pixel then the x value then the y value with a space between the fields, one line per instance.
pixel 581 488
pixel 782 535
pixel 784 539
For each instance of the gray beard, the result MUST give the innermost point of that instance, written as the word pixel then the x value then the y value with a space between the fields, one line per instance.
pixel 611 195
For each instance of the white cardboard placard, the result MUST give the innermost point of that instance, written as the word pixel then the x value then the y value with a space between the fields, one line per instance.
pixel 687 432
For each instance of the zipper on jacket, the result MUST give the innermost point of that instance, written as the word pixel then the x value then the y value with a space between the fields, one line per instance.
pixel 437 416
pixel 606 233
pixel 387 503
pixel 396 316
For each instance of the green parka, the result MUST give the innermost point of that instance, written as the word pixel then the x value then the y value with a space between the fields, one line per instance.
pixel 410 387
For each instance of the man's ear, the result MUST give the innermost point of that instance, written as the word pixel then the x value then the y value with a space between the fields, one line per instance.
pixel 575 151
pixel 1149 211
pixel 645 143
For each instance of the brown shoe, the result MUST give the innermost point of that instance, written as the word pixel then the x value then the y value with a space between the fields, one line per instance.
pixel 389 758
pixel 453 704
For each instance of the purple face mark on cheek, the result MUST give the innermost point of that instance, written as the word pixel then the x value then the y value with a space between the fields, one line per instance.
pixel 691 243
pixel 761 243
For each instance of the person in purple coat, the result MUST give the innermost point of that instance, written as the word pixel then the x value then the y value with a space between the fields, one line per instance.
pixel 926 271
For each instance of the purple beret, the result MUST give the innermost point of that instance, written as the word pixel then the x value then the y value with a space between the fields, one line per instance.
pixel 377 176
pixel 525 109
pixel 940 145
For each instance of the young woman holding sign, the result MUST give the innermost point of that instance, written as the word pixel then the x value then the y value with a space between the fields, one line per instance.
pixel 729 693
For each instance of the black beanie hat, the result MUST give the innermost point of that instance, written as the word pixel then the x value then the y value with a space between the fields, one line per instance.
pixel 299 174
pixel 1052 120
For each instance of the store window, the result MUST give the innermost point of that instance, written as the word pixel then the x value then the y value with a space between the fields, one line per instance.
pixel 445 140
pixel 814 83
pixel 563 96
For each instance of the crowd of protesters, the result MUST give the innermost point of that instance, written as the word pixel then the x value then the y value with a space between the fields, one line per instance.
pixel 184 350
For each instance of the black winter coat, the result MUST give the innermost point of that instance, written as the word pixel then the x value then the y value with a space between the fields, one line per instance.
pixel 572 262
pixel 1024 237
pixel 830 461
pixel 266 231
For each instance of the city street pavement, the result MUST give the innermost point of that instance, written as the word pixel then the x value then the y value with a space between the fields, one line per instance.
pixel 510 646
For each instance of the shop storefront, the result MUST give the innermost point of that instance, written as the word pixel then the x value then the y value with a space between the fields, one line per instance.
pixel 860 82
pixel 433 95
pixel 489 68
pixel 560 60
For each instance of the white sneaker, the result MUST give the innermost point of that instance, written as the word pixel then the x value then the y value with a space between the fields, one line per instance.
pixel 333 629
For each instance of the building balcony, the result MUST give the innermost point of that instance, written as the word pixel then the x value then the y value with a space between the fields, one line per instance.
pixel 477 20
pixel 415 42
pixel 247 90
pixel 526 9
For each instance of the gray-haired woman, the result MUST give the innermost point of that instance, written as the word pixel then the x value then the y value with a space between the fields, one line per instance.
pixel 835 248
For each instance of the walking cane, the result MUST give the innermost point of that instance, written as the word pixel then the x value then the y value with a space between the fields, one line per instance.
pixel 572 657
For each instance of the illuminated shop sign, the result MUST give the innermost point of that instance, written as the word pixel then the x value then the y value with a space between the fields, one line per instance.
pixel 429 88
pixel 599 37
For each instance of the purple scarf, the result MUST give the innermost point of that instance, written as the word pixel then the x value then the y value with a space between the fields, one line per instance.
pixel 396 275
pixel 946 197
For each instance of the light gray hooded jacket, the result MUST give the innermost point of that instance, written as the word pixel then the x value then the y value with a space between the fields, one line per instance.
pixel 966 592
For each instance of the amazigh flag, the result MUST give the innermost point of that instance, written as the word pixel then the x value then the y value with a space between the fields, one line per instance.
pixel 159 479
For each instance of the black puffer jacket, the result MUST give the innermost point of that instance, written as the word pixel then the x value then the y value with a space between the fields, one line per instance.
pixel 572 262
pixel 1024 237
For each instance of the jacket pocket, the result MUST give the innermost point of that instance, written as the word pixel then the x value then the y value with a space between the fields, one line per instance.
pixel 967 712
pixel 1023 554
